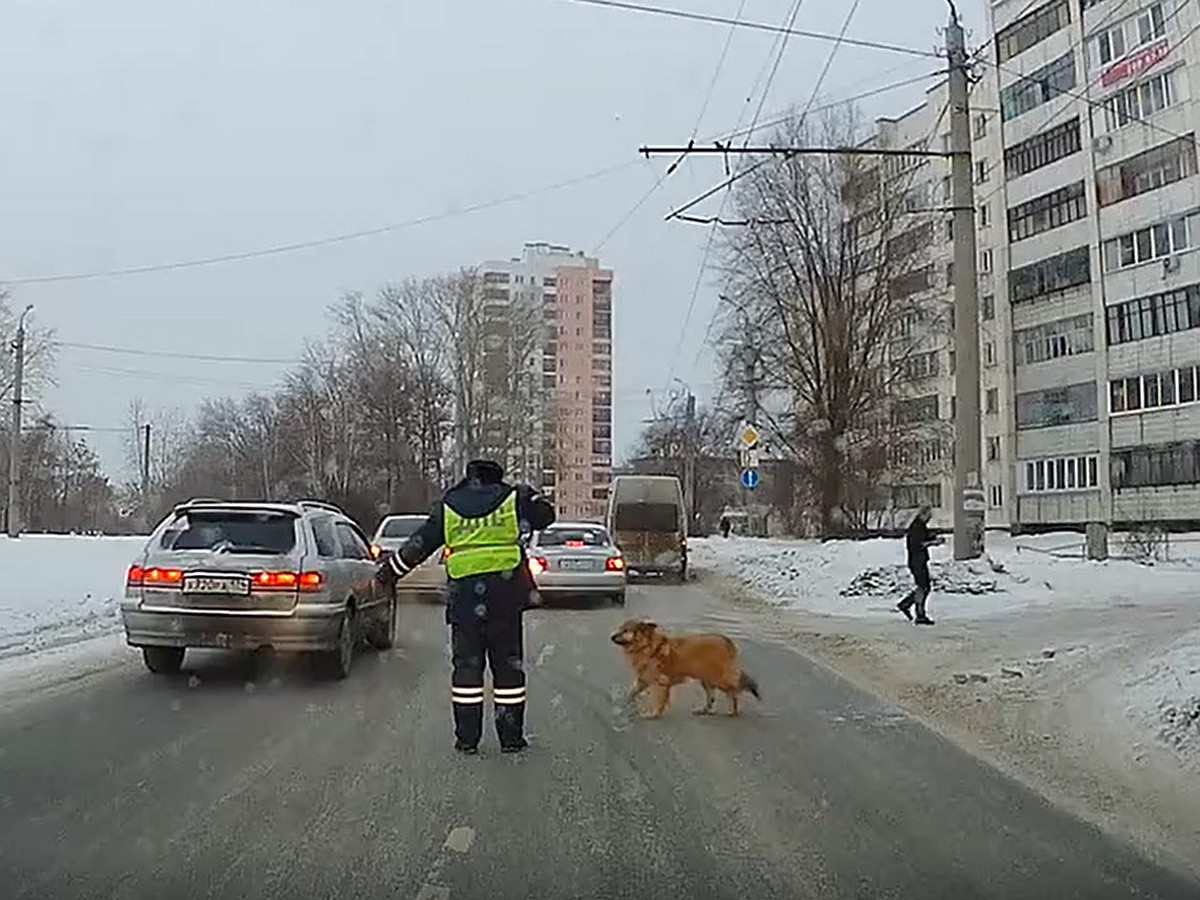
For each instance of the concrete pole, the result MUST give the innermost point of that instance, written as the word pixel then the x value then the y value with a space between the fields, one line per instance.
pixel 14 448
pixel 968 486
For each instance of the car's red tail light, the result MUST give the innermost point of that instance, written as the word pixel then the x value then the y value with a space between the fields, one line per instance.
pixel 376 551
pixel 287 581
pixel 537 565
pixel 445 553
pixel 614 564
pixel 153 577
pixel 573 543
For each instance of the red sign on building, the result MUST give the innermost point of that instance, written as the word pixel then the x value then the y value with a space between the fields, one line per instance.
pixel 1135 64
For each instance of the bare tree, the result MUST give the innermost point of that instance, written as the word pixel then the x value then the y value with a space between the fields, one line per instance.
pixel 41 355
pixel 823 286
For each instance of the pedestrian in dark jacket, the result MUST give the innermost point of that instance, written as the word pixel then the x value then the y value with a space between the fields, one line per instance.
pixel 482 521
pixel 725 524
pixel 917 541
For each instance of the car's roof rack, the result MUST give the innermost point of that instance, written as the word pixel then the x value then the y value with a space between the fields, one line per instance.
pixel 321 504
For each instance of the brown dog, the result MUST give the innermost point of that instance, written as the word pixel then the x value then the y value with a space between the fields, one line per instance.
pixel 662 661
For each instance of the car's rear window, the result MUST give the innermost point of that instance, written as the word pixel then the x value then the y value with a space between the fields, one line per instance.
pixel 660 517
pixel 561 537
pixel 231 531
pixel 400 528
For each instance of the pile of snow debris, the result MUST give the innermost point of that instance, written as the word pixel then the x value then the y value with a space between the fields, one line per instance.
pixel 949 577
pixel 1180 724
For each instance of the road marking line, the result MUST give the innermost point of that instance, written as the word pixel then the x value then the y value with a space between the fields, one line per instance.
pixel 458 840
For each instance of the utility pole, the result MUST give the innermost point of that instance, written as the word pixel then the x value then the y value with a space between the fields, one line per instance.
pixel 968 489
pixel 14 447
pixel 146 477
pixel 689 460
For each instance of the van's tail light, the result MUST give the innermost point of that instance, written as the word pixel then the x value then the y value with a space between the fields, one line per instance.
pixel 376 551
pixel 287 581
pixel 614 564
pixel 537 565
pixel 153 577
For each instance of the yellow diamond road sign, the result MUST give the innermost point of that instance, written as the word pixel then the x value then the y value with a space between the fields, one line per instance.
pixel 748 435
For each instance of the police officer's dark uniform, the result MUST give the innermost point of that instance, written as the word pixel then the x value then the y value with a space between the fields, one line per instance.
pixel 480 521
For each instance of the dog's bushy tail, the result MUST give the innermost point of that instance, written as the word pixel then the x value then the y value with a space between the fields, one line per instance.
pixel 746 683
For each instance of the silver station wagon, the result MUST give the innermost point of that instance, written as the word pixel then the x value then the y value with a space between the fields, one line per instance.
pixel 244 575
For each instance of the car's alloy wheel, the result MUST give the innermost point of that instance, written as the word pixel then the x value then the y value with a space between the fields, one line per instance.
pixel 337 662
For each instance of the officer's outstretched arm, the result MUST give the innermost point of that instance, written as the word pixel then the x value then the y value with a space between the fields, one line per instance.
pixel 426 541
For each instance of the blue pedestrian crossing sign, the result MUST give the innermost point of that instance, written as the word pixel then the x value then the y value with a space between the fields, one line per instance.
pixel 750 479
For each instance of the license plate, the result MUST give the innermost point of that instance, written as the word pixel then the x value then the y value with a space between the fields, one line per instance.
pixel 216 584
pixel 575 565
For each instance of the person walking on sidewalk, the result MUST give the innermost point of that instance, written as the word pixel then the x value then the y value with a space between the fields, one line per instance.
pixel 917 541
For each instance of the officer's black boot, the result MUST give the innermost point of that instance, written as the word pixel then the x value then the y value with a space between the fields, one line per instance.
pixel 510 726
pixel 468 721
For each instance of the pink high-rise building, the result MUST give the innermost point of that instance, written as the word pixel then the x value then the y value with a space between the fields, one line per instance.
pixel 571 436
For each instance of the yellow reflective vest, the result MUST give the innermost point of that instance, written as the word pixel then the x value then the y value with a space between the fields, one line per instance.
pixel 483 545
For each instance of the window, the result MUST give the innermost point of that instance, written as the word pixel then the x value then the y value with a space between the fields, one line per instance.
pixel 1064 337
pixel 353 544
pixel 993 448
pixel 1041 149
pixel 1057 406
pixel 1032 29
pixel 981 171
pixel 235 531
pixel 912 496
pixel 989 353
pixel 1151 169
pixel 916 409
pixel 1039 280
pixel 985 260
pixel 1140 101
pixel 1049 211
pixel 1070 473
pixel 905 245
pixel 1155 315
pixel 995 496
pixel 1159 465
pixel 1038 87
pixel 1136 31
pixel 985 215
pixel 980 130
pixel 1147 244
pixel 911 283
pixel 920 365
pixel 1158 390
pixel 991 404
pixel 987 307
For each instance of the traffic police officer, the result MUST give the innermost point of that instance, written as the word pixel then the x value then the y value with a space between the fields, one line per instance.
pixel 480 521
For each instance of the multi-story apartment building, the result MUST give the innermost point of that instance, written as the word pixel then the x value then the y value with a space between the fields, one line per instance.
pixel 1086 180
pixel 569 426
pixel 922 468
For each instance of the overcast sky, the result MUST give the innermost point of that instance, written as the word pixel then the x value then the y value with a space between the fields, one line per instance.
pixel 141 132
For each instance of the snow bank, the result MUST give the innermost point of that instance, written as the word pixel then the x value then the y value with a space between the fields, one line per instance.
pixel 1163 698
pixel 867 578
pixel 60 589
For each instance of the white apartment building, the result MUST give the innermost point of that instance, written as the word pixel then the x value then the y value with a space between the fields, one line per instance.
pixel 562 438
pixel 1086 189
pixel 925 472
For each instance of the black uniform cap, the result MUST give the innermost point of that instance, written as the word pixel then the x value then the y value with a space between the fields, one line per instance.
pixel 485 471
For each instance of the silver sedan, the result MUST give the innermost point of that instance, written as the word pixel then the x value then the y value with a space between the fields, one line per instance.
pixel 577 559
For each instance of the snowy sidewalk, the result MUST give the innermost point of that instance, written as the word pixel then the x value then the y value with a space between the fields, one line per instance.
pixel 60 589
pixel 1081 676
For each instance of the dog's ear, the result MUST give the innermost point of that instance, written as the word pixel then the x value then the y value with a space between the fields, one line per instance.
pixel 660 644
pixel 647 625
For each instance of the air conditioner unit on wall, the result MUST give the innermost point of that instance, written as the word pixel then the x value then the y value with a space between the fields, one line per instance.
pixel 1101 143
pixel 1170 264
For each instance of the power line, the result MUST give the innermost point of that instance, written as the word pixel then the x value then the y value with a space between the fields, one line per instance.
pixel 318 242
pixel 165 354
pixel 712 84
pixel 755 26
